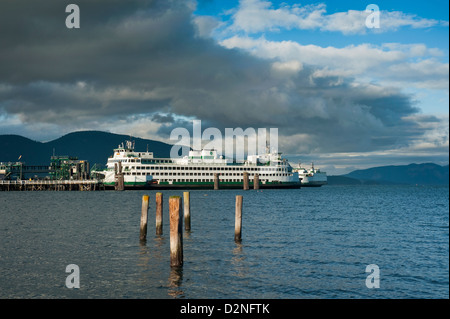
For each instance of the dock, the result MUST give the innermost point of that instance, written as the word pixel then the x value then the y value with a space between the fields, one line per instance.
pixel 51 185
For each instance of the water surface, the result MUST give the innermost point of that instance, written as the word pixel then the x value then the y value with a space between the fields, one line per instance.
pixel 307 243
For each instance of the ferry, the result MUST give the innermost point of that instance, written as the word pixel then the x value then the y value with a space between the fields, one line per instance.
pixel 311 177
pixel 197 170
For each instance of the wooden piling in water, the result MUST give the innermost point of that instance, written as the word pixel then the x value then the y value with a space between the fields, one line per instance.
pixel 144 218
pixel 245 181
pixel 187 211
pixel 238 219
pixel 256 181
pixel 119 184
pixel 159 213
pixel 216 181
pixel 176 232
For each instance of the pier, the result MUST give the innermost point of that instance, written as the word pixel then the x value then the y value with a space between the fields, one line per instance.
pixel 51 185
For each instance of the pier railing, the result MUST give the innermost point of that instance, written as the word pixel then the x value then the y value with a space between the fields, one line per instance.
pixel 91 184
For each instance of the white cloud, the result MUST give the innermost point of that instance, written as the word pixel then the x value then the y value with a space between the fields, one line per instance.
pixel 254 16
pixel 391 63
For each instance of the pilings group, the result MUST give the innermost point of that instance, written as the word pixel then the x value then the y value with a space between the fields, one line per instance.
pixel 179 213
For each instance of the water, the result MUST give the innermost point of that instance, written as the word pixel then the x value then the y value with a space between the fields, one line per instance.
pixel 308 243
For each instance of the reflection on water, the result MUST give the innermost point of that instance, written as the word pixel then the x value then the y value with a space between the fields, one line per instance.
pixel 175 281
pixel 238 261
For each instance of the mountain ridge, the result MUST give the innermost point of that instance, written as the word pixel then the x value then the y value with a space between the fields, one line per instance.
pixel 410 174
pixel 93 146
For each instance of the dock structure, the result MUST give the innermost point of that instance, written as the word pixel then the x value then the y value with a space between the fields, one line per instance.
pixel 50 185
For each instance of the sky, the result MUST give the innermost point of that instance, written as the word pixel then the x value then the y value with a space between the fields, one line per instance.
pixel 344 91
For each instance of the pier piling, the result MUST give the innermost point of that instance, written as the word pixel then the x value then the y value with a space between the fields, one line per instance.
pixel 159 213
pixel 245 181
pixel 144 218
pixel 216 181
pixel 238 220
pixel 187 211
pixel 256 181
pixel 176 232
pixel 119 179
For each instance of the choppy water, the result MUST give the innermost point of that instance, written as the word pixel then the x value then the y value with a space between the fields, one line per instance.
pixel 307 243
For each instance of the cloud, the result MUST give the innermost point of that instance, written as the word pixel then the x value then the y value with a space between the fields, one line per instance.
pixel 391 63
pixel 146 67
pixel 253 16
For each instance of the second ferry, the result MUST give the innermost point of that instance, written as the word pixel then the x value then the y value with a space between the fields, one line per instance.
pixel 143 170
pixel 311 177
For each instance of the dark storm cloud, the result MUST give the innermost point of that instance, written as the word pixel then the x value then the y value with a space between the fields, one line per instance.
pixel 144 57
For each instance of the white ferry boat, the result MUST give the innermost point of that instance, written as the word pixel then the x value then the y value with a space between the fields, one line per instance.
pixel 143 170
pixel 311 176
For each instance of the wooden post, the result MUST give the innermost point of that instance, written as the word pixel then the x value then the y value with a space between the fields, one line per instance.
pixel 121 178
pixel 238 219
pixel 176 232
pixel 216 181
pixel 245 181
pixel 187 211
pixel 118 177
pixel 119 183
pixel 159 213
pixel 256 181
pixel 144 218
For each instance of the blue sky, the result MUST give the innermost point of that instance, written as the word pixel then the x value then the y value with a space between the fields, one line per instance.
pixel 342 95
